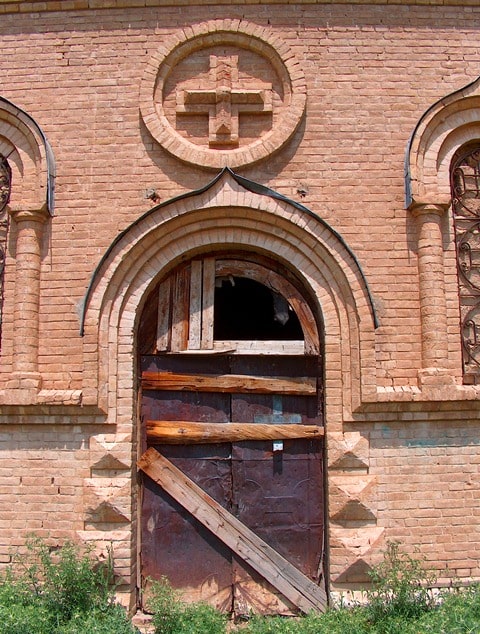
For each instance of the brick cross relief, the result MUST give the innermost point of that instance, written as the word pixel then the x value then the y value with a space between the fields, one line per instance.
pixel 225 101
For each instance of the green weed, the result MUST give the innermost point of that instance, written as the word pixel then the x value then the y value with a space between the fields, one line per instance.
pixel 399 602
pixel 112 620
pixel 457 613
pixel 171 615
pixel 65 591
pixel 340 621
pixel 59 591
pixel 400 587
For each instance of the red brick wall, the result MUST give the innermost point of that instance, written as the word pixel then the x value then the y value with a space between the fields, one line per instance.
pixel 371 71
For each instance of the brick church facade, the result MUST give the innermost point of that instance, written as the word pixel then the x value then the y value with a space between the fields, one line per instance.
pixel 240 293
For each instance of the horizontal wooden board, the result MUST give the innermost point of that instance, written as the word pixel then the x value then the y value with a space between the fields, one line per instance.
pixel 186 432
pixel 270 347
pixel 279 572
pixel 235 383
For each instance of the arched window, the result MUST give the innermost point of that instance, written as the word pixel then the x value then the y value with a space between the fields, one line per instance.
pixel 465 187
pixel 227 303
pixel 5 186
pixel 5 180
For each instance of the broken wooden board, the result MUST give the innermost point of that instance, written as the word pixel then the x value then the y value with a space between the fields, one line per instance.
pixel 180 309
pixel 195 323
pixel 237 383
pixel 280 573
pixel 186 432
pixel 262 347
pixel 208 302
pixel 163 316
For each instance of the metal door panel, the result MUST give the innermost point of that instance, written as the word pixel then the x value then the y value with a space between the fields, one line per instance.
pixel 174 544
pixel 277 494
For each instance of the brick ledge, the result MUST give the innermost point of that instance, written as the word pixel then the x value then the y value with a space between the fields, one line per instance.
pixel 42 6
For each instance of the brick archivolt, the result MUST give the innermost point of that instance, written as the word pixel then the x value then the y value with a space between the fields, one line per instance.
pixel 243 37
pixel 24 145
pixel 225 216
pixel 445 126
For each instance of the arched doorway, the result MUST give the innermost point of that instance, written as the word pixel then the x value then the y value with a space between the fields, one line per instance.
pixel 232 446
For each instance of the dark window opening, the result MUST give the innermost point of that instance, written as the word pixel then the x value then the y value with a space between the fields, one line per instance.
pixel 246 310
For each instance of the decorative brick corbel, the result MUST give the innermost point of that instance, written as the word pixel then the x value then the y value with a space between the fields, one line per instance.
pixel 433 306
pixel 25 380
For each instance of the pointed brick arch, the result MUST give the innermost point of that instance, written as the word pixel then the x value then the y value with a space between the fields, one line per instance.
pixel 24 145
pixel 228 212
pixel 234 215
pixel 448 124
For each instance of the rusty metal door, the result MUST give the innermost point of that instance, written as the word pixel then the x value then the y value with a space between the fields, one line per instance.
pixel 274 487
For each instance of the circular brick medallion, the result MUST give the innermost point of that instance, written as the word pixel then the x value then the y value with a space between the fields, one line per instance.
pixel 229 93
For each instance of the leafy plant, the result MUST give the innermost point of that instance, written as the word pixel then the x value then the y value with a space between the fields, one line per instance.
pixel 341 621
pixel 65 580
pixel 65 591
pixel 112 620
pixel 457 613
pixel 16 618
pixel 171 615
pixel 59 591
pixel 399 596
pixel 401 586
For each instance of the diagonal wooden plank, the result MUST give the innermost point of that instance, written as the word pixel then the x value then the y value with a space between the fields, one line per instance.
pixel 279 572
pixel 185 432
pixel 225 383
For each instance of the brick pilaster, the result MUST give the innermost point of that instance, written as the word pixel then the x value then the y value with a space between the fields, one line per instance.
pixel 30 223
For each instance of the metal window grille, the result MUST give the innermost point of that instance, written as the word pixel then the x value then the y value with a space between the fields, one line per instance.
pixel 5 188
pixel 465 188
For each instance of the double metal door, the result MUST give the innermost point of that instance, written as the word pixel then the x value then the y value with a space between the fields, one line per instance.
pixel 222 413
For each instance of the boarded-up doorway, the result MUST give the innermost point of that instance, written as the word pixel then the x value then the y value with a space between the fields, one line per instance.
pixel 232 428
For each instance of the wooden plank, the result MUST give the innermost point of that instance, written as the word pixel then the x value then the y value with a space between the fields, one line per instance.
pixel 233 383
pixel 187 432
pixel 208 301
pixel 180 311
pixel 263 347
pixel 195 322
pixel 280 573
pixel 163 316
